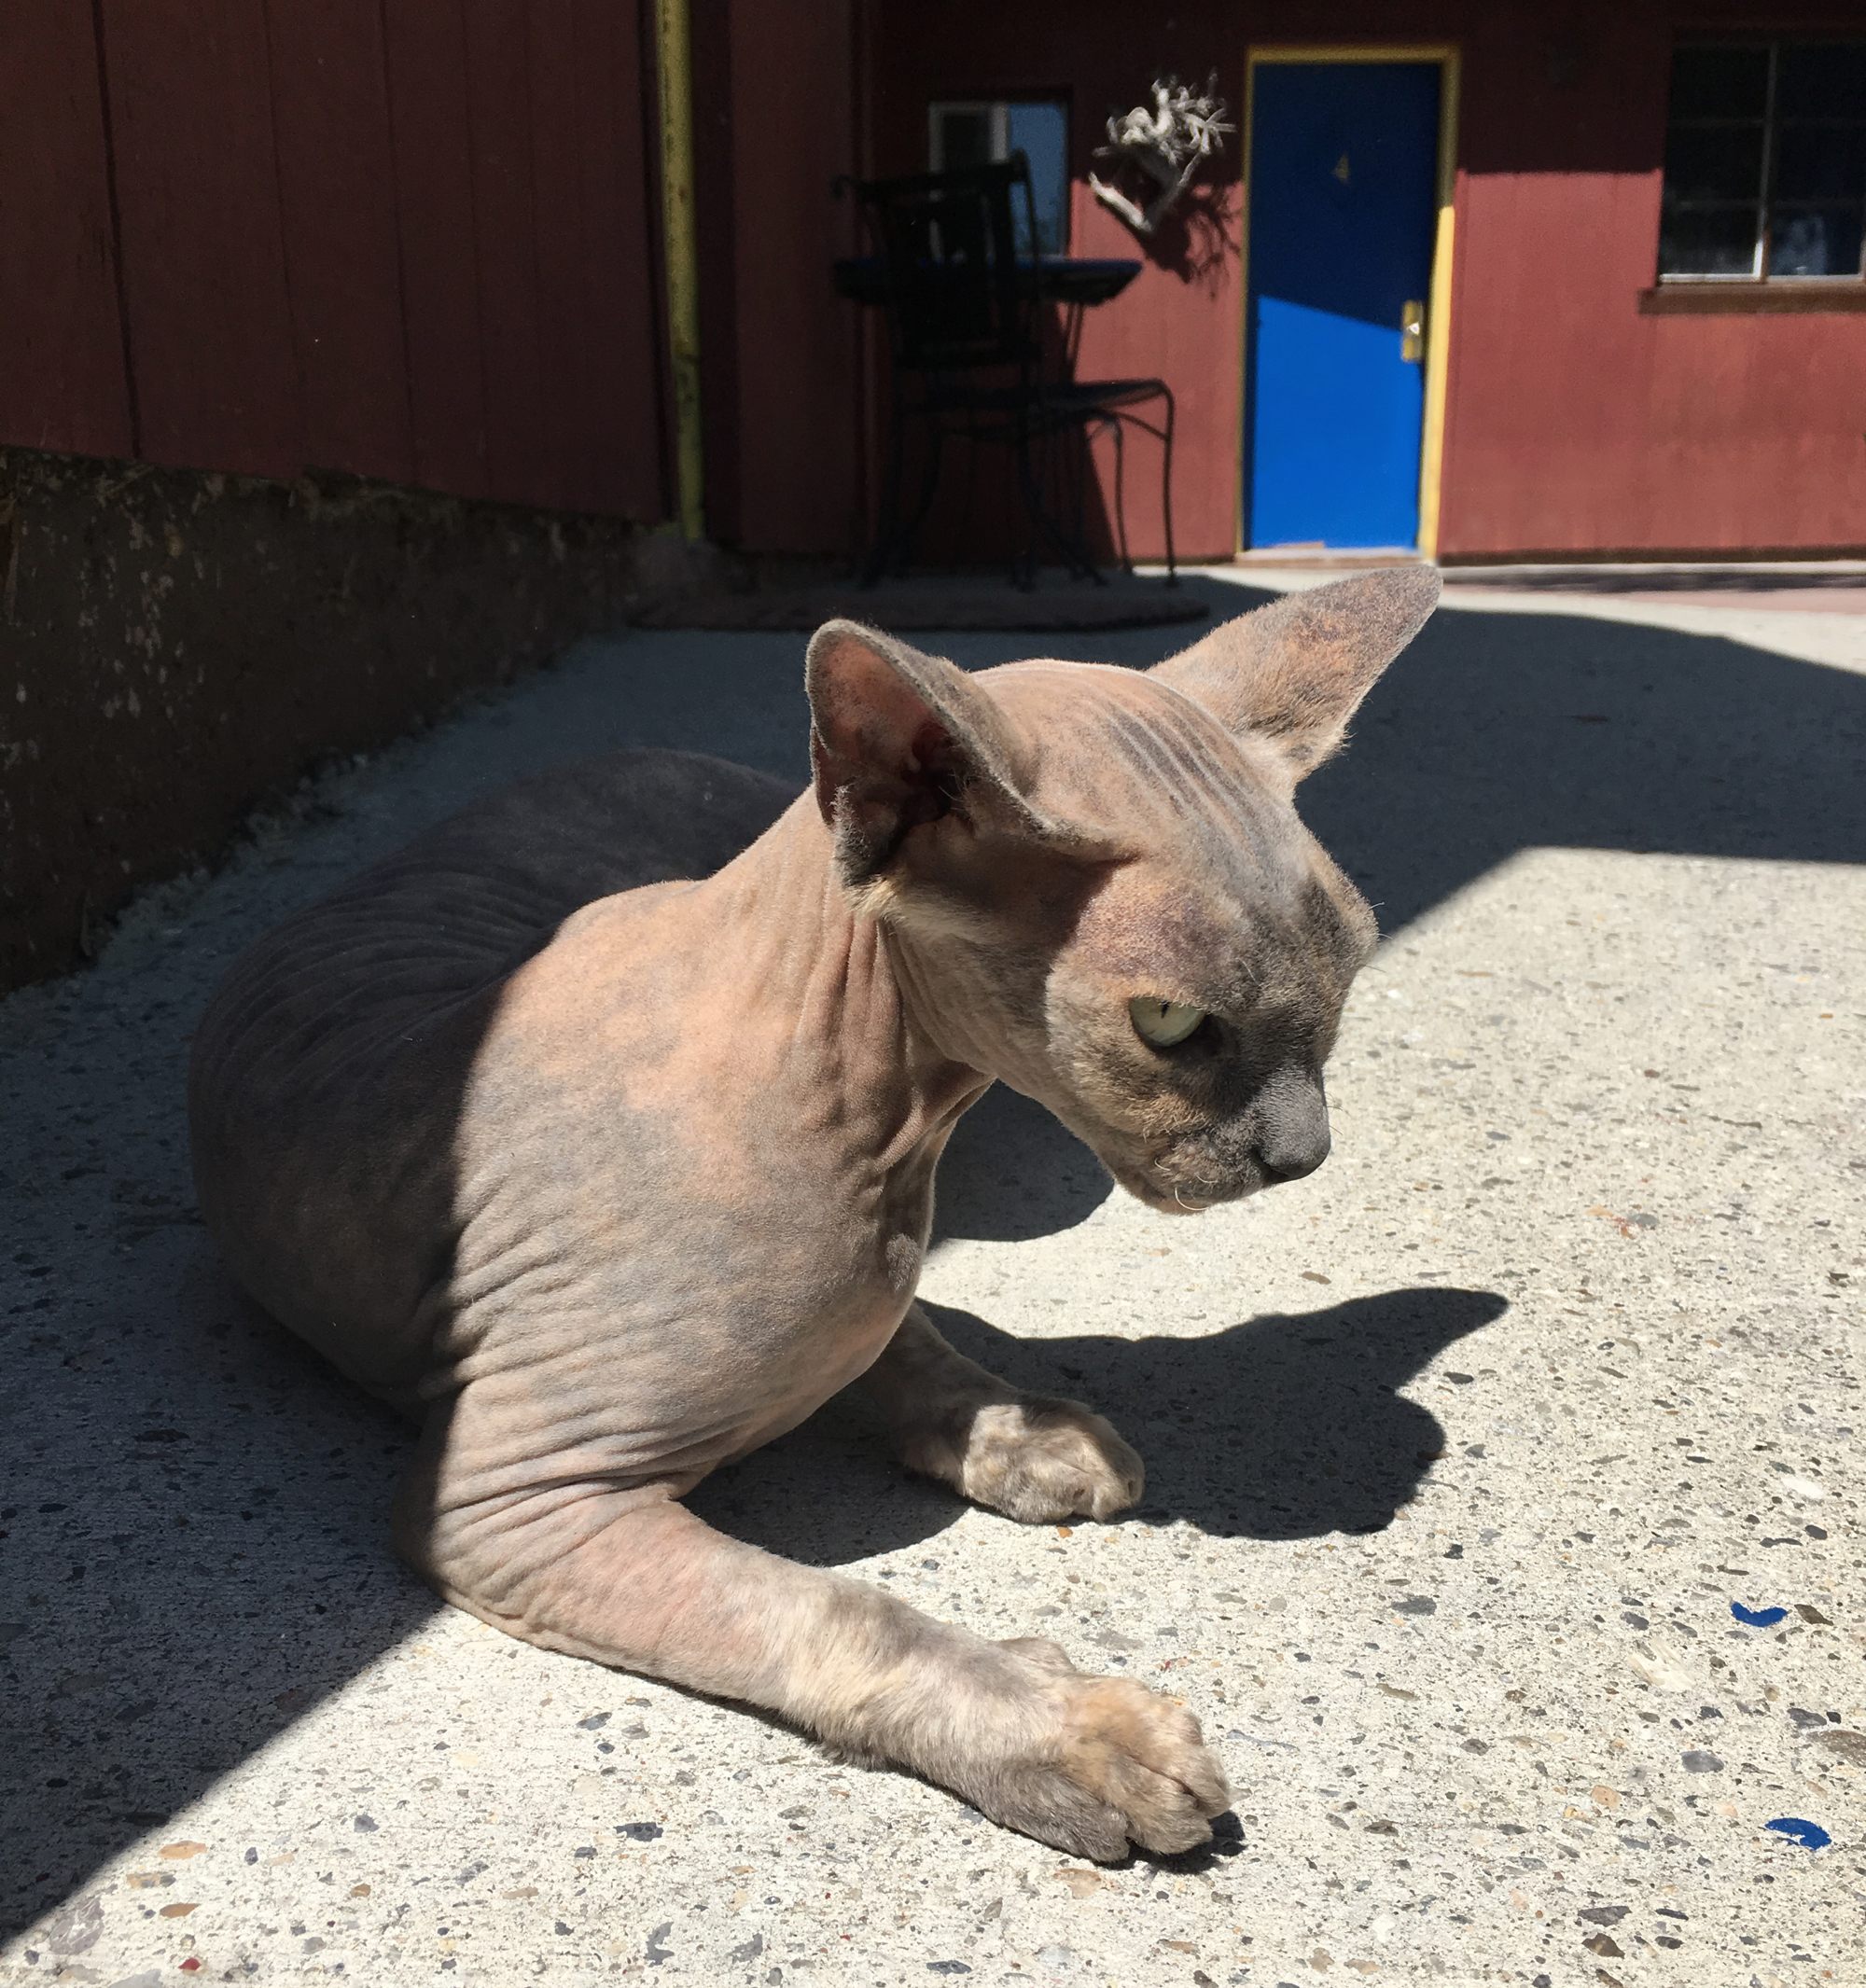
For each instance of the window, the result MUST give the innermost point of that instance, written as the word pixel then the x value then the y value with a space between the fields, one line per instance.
pixel 1765 161
pixel 979 134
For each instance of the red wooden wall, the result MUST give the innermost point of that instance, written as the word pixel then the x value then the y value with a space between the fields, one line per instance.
pixel 415 242
pixel 1576 422
pixel 777 114
pixel 63 381
pixel 411 241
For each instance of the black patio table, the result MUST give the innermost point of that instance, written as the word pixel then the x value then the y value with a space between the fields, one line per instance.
pixel 1073 280
pixel 951 359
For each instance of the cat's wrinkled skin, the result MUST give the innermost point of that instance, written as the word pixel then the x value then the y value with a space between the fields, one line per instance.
pixel 610 1177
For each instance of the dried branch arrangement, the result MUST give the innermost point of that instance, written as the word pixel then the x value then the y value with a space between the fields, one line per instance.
pixel 1166 143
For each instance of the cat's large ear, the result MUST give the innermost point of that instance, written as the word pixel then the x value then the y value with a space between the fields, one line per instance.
pixel 899 739
pixel 1292 673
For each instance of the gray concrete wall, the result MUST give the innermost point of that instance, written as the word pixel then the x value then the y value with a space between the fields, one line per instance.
pixel 177 647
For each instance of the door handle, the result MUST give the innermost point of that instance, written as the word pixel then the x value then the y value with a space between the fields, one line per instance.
pixel 1413 329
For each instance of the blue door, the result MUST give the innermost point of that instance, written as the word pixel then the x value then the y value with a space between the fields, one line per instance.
pixel 1343 194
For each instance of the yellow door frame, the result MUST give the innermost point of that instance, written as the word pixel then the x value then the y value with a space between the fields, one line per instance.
pixel 1439 302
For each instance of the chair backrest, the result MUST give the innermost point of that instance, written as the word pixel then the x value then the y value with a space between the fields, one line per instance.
pixel 948 247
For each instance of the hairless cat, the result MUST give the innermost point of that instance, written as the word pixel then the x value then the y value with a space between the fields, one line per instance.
pixel 597 1131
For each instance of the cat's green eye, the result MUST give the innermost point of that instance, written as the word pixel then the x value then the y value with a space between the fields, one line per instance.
pixel 1163 1023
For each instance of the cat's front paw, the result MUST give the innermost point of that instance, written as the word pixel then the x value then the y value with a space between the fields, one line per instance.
pixel 1040 1459
pixel 1111 1764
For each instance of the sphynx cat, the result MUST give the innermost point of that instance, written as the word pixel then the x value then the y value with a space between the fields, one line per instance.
pixel 597 1131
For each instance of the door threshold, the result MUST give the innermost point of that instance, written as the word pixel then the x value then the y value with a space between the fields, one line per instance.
pixel 1357 557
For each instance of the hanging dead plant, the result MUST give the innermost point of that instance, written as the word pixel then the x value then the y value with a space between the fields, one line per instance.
pixel 1165 145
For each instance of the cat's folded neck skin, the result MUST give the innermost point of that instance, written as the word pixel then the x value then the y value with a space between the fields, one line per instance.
pixel 805 955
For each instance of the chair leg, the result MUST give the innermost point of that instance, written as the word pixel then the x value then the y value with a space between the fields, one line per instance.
pixel 969 488
pixel 1166 488
pixel 1118 429
pixel 1079 479
pixel 1083 560
pixel 1022 559
pixel 930 486
pixel 1033 507
pixel 1075 554
pixel 1082 474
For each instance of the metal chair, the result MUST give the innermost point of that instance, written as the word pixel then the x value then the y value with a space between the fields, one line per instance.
pixel 967 362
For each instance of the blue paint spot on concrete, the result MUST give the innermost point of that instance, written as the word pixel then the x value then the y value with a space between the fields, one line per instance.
pixel 1758 1618
pixel 1810 1835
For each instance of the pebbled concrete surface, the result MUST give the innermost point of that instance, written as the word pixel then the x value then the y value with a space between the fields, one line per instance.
pixel 1460 1450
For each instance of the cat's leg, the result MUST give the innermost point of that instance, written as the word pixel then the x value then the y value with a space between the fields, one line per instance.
pixel 1035 1458
pixel 633 1580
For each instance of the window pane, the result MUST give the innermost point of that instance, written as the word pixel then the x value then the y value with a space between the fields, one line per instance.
pixel 1709 241
pixel 1821 163
pixel 1719 82
pixel 1041 133
pixel 1715 163
pixel 1821 241
pixel 1821 80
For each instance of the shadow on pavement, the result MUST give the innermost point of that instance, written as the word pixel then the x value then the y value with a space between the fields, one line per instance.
pixel 203 1521
pixel 1499 732
pixel 221 1568
pixel 1011 1172
pixel 1283 1427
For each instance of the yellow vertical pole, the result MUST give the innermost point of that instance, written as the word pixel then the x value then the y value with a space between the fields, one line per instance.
pixel 680 257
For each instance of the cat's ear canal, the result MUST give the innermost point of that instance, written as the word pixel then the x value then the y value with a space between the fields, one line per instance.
pixel 1293 673
pixel 898 740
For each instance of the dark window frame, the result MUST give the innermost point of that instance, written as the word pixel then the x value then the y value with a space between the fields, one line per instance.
pixel 1682 290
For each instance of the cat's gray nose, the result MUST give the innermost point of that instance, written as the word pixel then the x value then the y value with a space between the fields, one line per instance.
pixel 1292 1129
pixel 1281 1163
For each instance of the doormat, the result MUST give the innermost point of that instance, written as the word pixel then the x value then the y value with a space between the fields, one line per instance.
pixel 966 602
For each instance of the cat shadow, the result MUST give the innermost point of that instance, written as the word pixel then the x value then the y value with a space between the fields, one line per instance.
pixel 1011 1172
pixel 1278 1427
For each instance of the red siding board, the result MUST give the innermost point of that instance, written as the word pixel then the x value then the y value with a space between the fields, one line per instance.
pixel 62 383
pixel 560 195
pixel 1579 424
pixel 596 322
pixel 426 53
pixel 412 243
pixel 714 192
pixel 1184 330
pixel 211 351
pixel 630 281
pixel 342 260
pixel 499 113
pixel 619 121
pixel 797 347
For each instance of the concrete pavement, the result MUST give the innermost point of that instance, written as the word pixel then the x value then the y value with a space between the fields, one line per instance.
pixel 1460 1451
